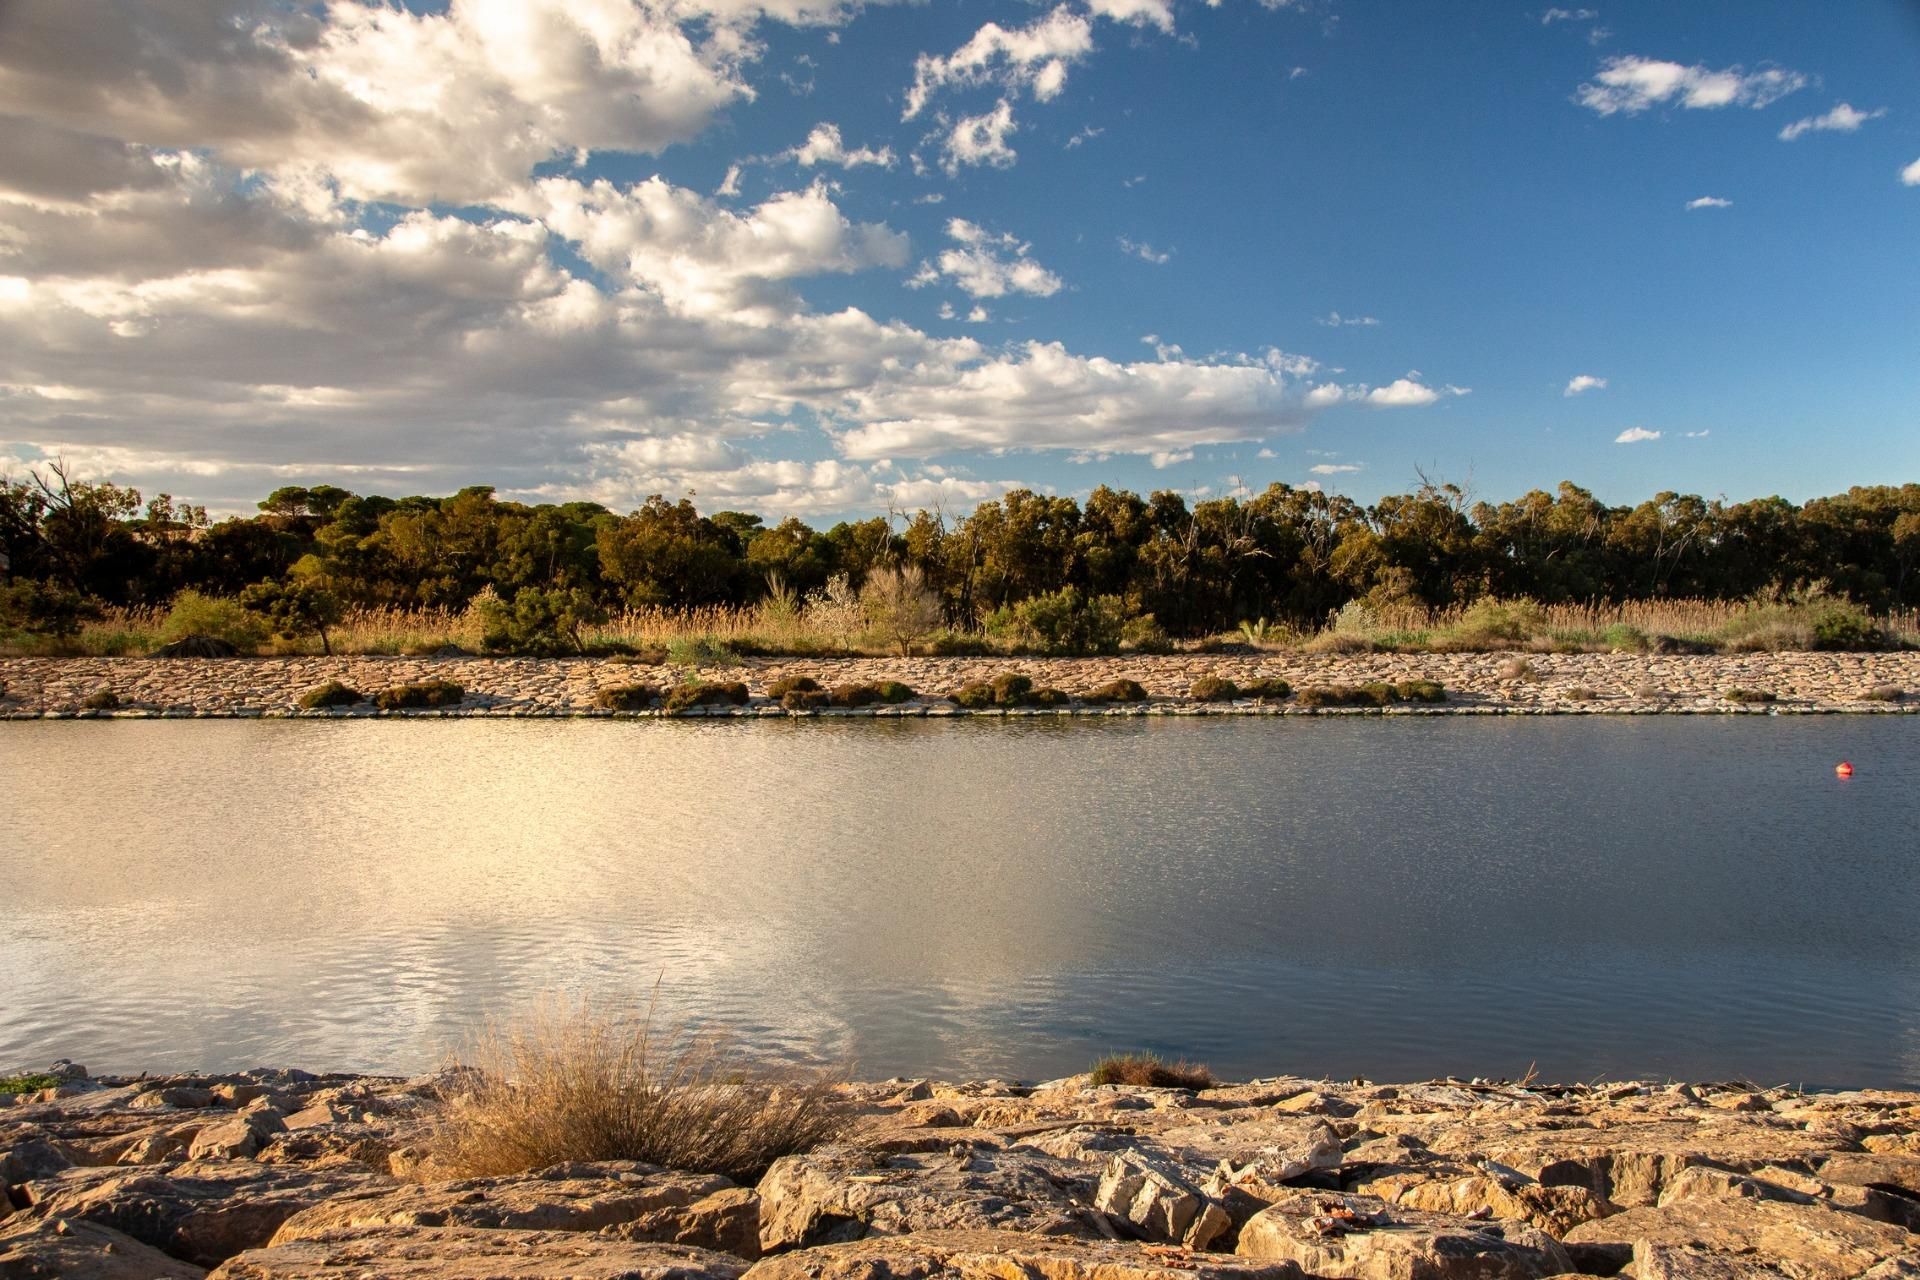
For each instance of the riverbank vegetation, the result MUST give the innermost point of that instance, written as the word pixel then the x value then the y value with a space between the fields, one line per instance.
pixel 89 568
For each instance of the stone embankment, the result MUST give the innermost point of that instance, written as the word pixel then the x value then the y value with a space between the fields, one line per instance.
pixel 281 1175
pixel 1476 683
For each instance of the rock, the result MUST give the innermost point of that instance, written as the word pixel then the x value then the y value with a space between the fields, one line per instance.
pixel 184 1096
pixel 200 1212
pixel 727 1221
pixel 33 1248
pixel 29 1152
pixel 836 1194
pixel 1815 1241
pixel 158 1146
pixel 1264 1148
pixel 466 1253
pixel 1002 1255
pixel 1347 1237
pixel 1684 1262
pixel 567 1197
pixel 237 1139
pixel 1152 1199
pixel 1555 1210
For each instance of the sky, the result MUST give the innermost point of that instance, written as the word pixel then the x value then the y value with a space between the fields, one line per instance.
pixel 828 259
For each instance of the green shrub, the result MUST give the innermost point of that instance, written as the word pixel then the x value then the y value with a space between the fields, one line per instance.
pixel 792 684
pixel 331 694
pixel 1628 639
pixel 702 651
pixel 538 623
pixel 1047 697
pixel 1493 624
pixel 31 1082
pixel 1117 691
pixel 1420 691
pixel 706 694
pixel 427 693
pixel 626 697
pixel 298 607
pixel 1884 693
pixel 974 695
pixel 1841 624
pixel 1063 621
pixel 1520 669
pixel 1010 689
pixel 853 695
pixel 959 644
pixel 101 700
pixel 437 649
pixel 1738 694
pixel 1272 688
pixel 1144 634
pixel 1149 1070
pixel 803 699
pixel 893 692
pixel 1213 689
pixel 194 614
pixel 1375 694
pixel 44 608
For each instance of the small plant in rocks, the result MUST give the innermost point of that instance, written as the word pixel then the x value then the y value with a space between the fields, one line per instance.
pixel 1650 693
pixel 1213 689
pixel 1884 693
pixel 101 700
pixel 706 694
pixel 1580 693
pixel 331 694
pixel 1750 696
pixel 626 697
pixel 792 684
pixel 1270 688
pixel 974 695
pixel 32 1082
pixel 1150 1070
pixel 1117 691
pixel 425 694
pixel 1420 691
pixel 1520 669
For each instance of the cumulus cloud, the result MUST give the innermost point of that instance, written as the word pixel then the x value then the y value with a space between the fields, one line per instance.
pixel 1709 202
pixel 1139 13
pixel 1334 468
pixel 988 265
pixel 1034 57
pixel 1634 84
pixel 1910 176
pixel 1407 392
pixel 1635 435
pixel 824 146
pixel 1844 118
pixel 980 140
pixel 1584 382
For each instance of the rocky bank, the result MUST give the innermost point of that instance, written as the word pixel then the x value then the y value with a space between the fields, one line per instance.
pixel 1476 683
pixel 283 1175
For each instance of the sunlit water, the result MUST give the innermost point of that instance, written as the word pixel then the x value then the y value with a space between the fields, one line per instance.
pixel 1691 897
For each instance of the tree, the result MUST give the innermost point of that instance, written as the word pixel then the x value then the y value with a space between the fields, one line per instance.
pixel 540 623
pixel 899 607
pixel 298 607
pixel 44 608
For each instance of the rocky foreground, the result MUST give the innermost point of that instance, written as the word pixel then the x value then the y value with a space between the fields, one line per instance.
pixel 278 1175
pixel 1476 683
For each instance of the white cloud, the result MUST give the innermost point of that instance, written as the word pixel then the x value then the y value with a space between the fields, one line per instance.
pixel 1552 16
pixel 1709 202
pixel 1910 176
pixel 1144 252
pixel 982 139
pixel 1334 320
pixel 1407 392
pixel 1633 84
pixel 1140 13
pixel 1085 135
pixel 1584 382
pixel 824 146
pixel 1699 435
pixel 1034 57
pixel 986 265
pixel 1844 118
pixel 1635 435
pixel 1164 458
pixel 1334 468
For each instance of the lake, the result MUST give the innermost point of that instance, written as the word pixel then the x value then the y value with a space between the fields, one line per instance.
pixel 1695 897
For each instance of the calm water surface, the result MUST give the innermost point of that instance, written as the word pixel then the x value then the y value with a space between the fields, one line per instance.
pixel 1399 898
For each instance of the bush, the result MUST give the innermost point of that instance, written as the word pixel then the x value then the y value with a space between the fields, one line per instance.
pixel 1117 691
pixel 706 694
pixel 1627 639
pixel 1010 689
pixel 1738 694
pixel 792 684
pixel 899 608
pixel 626 697
pixel 1884 693
pixel 331 694
pixel 193 614
pixel 427 693
pixel 1048 697
pixel 31 1082
pixel 1213 689
pixel 101 700
pixel 1063 621
pixel 538 623
pixel 1843 625
pixel 1144 634
pixel 44 609
pixel 573 1084
pixel 1347 695
pixel 1272 688
pixel 1494 624
pixel 1580 693
pixel 701 651
pixel 893 692
pixel 298 607
pixel 853 695
pixel 1520 669
pixel 974 695
pixel 803 699
pixel 1420 691
pixel 1150 1070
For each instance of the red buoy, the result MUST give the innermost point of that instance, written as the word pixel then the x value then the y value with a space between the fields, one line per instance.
pixel 1844 769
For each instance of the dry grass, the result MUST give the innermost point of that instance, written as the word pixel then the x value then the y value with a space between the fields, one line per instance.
pixel 1150 1070
pixel 573 1081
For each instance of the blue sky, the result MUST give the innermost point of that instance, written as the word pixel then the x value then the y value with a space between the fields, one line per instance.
pixel 799 256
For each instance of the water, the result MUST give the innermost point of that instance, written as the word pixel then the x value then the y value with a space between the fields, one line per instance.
pixel 1694 897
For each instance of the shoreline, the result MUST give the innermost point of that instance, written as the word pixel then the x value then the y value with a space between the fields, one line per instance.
pixel 1476 684
pixel 284 1175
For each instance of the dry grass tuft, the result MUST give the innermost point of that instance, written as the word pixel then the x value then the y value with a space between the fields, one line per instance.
pixel 573 1081
pixel 1150 1070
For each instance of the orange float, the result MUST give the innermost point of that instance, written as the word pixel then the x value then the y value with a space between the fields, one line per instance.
pixel 1844 769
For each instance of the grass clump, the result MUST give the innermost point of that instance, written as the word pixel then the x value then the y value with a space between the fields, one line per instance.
pixel 1419 691
pixel 701 651
pixel 1150 1070
pixel 803 699
pixel 1884 693
pixel 101 700
pixel 331 694
pixel 1047 696
pixel 1580 693
pixel 1347 695
pixel 427 693
pixel 1117 691
pixel 1272 688
pixel 699 693
pixel 31 1082
pixel 974 695
pixel 1750 696
pixel 779 689
pixel 1520 669
pixel 1650 693
pixel 1213 689
pixel 626 697
pixel 893 692
pixel 1010 689
pixel 571 1083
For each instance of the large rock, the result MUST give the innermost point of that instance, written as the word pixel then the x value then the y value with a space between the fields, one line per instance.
pixel 567 1197
pixel 1151 1198
pixel 1003 1255
pixel 240 1138
pixel 34 1248
pixel 1684 1262
pixel 200 1212
pixel 1814 1240
pixel 464 1253
pixel 28 1152
pixel 1346 1237
pixel 727 1221
pixel 1474 1193
pixel 836 1194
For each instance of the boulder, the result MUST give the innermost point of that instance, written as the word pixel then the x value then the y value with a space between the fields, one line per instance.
pixel 34 1248
pixel 466 1253
pixel 191 1097
pixel 1348 1237
pixel 1150 1198
pixel 239 1138
pixel 1815 1241
pixel 567 1197
pixel 837 1194
pixel 1005 1255
pixel 201 1212
pixel 28 1152
pixel 1473 1193
pixel 1684 1262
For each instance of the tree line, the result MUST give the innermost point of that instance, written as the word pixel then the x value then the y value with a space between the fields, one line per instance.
pixel 1287 553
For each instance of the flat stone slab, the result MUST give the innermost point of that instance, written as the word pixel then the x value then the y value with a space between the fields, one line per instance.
pixel 466 1253
pixel 1003 1255
pixel 33 1248
pixel 1345 1237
